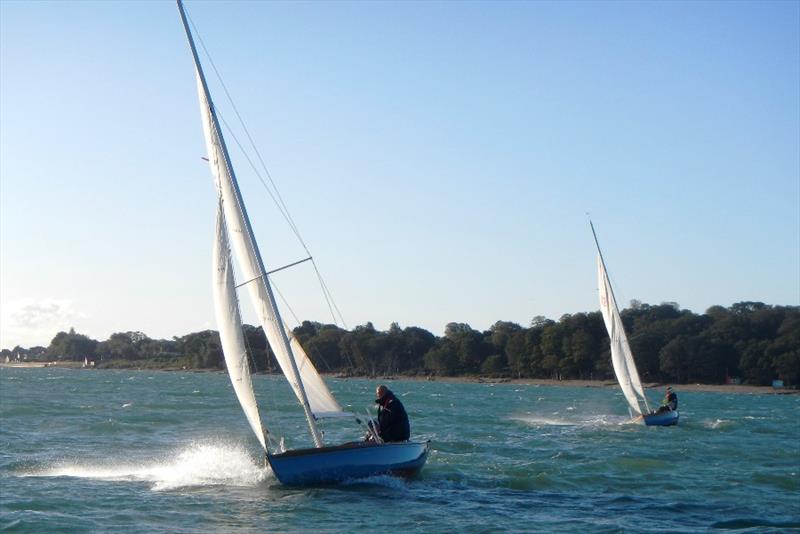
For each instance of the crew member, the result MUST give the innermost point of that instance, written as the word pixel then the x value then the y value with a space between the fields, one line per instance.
pixel 670 402
pixel 392 418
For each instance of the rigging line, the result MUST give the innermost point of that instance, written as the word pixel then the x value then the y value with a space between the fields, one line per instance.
pixel 279 202
pixel 285 302
pixel 290 220
pixel 252 166
pixel 297 320
pixel 330 301
pixel 324 291
pixel 287 217
pixel 329 298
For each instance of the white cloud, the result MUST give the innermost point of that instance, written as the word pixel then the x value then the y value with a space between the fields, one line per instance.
pixel 29 322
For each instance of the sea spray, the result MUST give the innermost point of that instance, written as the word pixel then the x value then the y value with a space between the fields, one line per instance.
pixel 197 464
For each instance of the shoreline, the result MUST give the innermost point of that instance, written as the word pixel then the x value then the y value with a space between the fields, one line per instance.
pixel 650 386
pixel 714 388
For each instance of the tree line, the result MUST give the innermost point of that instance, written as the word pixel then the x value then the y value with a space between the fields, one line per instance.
pixel 752 341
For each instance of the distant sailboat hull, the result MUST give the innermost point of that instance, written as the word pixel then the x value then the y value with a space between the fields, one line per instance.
pixel 327 465
pixel 662 419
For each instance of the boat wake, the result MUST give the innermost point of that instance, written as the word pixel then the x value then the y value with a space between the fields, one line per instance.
pixel 199 464
pixel 594 421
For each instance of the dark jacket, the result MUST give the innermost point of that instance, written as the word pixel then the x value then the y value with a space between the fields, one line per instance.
pixel 672 401
pixel 392 419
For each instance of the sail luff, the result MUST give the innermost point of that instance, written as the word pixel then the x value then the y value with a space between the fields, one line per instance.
pixel 621 355
pixel 229 323
pixel 242 237
pixel 616 334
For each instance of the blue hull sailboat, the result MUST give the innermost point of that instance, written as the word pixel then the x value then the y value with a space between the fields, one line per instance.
pixel 347 461
pixel 320 464
pixel 621 355
pixel 668 418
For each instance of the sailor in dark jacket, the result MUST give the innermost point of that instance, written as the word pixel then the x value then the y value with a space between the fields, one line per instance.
pixel 392 418
pixel 670 402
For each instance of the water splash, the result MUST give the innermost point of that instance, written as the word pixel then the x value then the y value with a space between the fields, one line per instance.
pixel 719 423
pixel 199 464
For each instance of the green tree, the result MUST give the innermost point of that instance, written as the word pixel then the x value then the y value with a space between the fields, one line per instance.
pixel 443 358
pixel 518 355
pixel 71 346
pixel 119 345
pixel 358 345
pixel 494 365
pixel 323 348
pixel 202 350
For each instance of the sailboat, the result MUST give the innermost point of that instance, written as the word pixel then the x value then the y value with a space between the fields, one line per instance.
pixel 323 463
pixel 621 355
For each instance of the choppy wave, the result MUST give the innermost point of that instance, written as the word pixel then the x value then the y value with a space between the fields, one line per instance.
pixel 599 420
pixel 386 481
pixel 196 465
pixel 544 421
pixel 521 460
pixel 755 523
pixel 718 424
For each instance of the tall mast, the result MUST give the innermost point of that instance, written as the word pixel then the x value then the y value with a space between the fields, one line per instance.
pixel 315 433
pixel 603 261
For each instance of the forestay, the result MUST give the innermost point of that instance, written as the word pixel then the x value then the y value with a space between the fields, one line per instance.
pixel 229 323
pixel 621 356
pixel 320 399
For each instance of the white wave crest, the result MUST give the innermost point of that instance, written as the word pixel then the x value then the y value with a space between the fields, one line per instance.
pixel 199 464
pixel 719 423
pixel 544 421
pixel 595 421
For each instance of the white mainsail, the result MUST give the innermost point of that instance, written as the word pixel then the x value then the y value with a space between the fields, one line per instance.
pixel 229 323
pixel 320 399
pixel 621 356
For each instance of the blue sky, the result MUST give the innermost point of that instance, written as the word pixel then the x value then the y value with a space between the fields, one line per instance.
pixel 438 157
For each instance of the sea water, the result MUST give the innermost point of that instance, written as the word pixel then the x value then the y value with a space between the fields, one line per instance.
pixel 142 451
